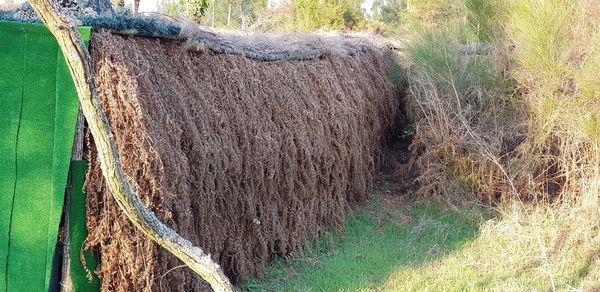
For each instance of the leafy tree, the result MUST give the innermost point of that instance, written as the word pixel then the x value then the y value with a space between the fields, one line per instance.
pixel 215 13
pixel 389 12
pixel 329 14
pixel 193 9
pixel 300 14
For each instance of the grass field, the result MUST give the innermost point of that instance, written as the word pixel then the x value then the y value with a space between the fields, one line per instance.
pixel 380 239
pixel 397 243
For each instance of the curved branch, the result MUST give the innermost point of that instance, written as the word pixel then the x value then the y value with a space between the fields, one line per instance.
pixel 78 61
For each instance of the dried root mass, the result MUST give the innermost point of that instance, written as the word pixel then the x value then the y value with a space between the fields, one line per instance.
pixel 245 158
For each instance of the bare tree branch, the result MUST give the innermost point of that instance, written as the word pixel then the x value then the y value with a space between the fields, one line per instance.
pixel 78 61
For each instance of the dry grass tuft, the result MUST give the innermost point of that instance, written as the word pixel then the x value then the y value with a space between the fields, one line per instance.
pixel 280 46
pixel 464 133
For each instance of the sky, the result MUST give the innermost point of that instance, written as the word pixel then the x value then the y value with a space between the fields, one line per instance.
pixel 145 5
pixel 367 4
pixel 14 1
pixel 150 5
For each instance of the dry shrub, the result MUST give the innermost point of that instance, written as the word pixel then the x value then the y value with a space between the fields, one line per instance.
pixel 519 123
pixel 279 17
pixel 521 127
pixel 557 68
pixel 269 46
pixel 464 133
pixel 247 159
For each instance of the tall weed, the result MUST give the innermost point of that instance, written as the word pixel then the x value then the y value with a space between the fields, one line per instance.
pixel 523 121
pixel 557 56
pixel 465 116
pixel 519 127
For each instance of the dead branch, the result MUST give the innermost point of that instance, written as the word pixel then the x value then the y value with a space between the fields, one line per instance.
pixel 78 61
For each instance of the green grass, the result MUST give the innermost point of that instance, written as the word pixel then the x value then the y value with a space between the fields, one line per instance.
pixel 374 245
pixel 423 247
pixel 532 249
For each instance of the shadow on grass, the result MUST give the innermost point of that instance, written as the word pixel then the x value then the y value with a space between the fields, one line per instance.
pixel 376 242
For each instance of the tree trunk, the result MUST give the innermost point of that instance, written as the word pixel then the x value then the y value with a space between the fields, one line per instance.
pixel 66 284
pixel 242 15
pixel 229 13
pixel 212 20
pixel 78 61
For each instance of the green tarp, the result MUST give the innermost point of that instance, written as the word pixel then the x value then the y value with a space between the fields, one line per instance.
pixel 37 121
pixel 80 274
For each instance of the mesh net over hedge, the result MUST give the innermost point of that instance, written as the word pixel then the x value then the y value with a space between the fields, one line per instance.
pixel 248 159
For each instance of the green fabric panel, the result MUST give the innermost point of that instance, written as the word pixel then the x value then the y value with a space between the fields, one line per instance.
pixel 78 233
pixel 12 45
pixel 66 109
pixel 45 129
pixel 31 212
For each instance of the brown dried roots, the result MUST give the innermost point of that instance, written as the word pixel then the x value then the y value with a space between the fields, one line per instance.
pixel 247 159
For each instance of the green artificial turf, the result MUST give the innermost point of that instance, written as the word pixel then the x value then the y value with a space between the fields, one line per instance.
pixel 37 123
pixel 11 56
pixel 78 233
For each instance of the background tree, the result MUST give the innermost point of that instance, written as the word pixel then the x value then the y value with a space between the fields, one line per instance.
pixel 329 14
pixel 214 13
pixel 193 9
pixel 234 14
pixel 389 12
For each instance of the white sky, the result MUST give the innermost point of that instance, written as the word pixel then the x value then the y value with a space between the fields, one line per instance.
pixel 150 5
pixel 15 1
pixel 145 5
pixel 367 7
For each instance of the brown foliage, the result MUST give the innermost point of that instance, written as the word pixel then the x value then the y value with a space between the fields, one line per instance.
pixel 247 159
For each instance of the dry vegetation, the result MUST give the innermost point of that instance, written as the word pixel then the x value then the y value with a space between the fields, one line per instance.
pixel 521 122
pixel 247 159
pixel 518 128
